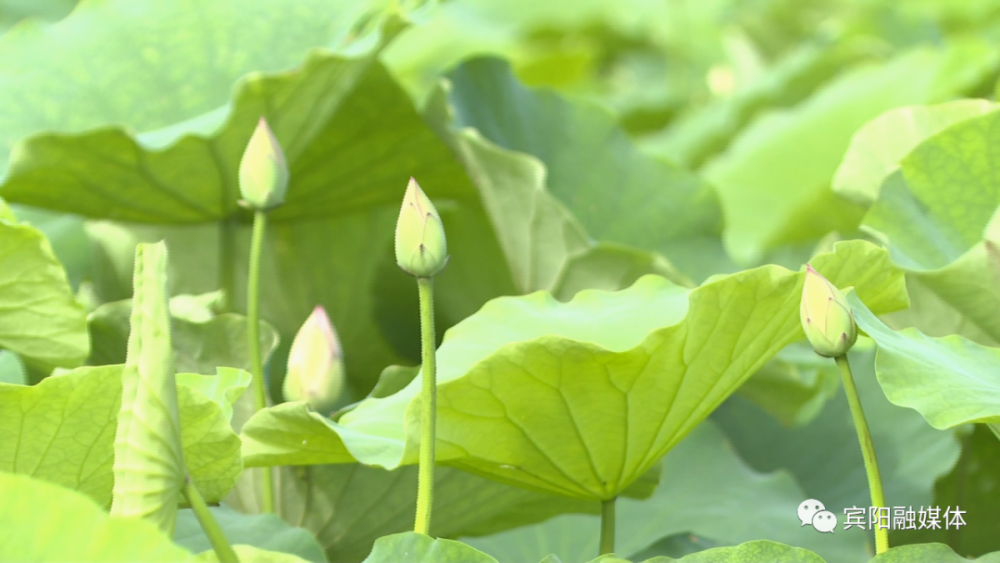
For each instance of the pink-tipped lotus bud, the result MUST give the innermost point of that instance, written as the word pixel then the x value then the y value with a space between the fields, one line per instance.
pixel 315 364
pixel 263 170
pixel 421 249
pixel 826 316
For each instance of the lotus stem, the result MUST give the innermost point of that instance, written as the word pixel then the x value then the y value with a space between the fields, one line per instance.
pixel 607 526
pixel 253 336
pixel 428 418
pixel 215 535
pixel 867 450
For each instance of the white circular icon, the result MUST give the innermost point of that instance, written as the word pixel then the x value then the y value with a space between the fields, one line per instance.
pixel 824 521
pixel 808 509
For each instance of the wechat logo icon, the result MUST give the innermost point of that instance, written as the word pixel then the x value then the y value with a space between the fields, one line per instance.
pixel 813 513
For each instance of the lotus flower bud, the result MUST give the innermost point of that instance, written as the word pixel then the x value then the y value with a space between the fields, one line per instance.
pixel 315 364
pixel 263 170
pixel 826 316
pixel 421 249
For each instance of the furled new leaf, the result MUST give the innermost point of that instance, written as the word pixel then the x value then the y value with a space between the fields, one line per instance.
pixel 149 463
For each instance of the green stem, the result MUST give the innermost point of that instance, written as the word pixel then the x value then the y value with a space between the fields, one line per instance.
pixel 208 524
pixel 867 450
pixel 607 526
pixel 253 336
pixel 425 480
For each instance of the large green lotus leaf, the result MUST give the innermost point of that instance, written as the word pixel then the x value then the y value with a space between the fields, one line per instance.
pixel 374 431
pixel 677 545
pixel 419 548
pixel 654 205
pixel 40 319
pixel 879 145
pixel 974 486
pixel 157 66
pixel 251 553
pixel 582 413
pixel 653 321
pixel 63 429
pixel 938 215
pixel 349 506
pixel 825 459
pixel 774 181
pixel 760 550
pixel 200 345
pixel 263 531
pixel 936 552
pixel 48 523
pixel 706 491
pixel 193 179
pixel 950 381
pixel 148 460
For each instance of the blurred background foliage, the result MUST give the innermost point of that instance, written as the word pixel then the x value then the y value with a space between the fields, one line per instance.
pixel 686 138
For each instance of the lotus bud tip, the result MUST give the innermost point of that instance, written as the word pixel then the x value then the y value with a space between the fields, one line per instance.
pixel 420 244
pixel 315 364
pixel 263 170
pixel 826 316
